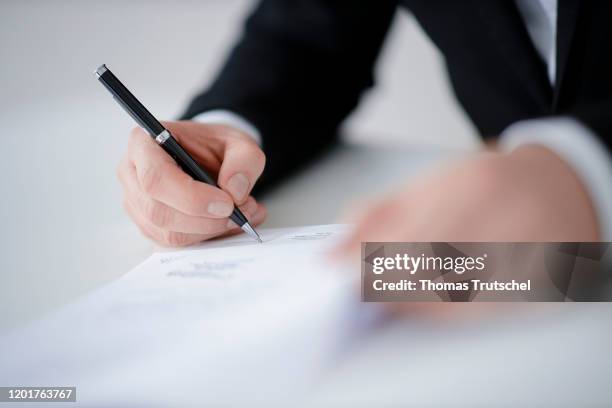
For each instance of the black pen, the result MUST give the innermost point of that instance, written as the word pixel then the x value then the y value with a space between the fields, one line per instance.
pixel 163 137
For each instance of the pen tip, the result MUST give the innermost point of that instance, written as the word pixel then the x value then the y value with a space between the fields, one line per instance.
pixel 246 227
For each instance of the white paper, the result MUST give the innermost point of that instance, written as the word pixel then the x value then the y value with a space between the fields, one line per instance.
pixel 228 315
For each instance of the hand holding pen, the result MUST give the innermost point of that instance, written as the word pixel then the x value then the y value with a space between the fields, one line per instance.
pixel 178 206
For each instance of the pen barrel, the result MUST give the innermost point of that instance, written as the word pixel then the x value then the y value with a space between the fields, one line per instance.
pixel 129 102
pixel 238 217
pixel 187 163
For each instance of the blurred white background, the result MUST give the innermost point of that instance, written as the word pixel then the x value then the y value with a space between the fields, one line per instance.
pixel 64 231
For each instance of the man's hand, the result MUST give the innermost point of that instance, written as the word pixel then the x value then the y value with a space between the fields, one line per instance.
pixel 173 209
pixel 528 195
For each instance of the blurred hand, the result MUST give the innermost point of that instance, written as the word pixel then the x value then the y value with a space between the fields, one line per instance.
pixel 528 195
pixel 169 206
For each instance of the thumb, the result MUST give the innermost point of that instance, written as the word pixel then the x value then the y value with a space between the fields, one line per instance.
pixel 243 163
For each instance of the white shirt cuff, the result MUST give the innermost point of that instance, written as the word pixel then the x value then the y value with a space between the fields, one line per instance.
pixel 224 117
pixel 580 148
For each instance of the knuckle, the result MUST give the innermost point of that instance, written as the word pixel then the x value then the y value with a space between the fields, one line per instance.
pixel 135 136
pixel 194 199
pixel 157 214
pixel 213 229
pixel 120 171
pixel 150 180
pixel 175 239
pixel 136 132
pixel 259 156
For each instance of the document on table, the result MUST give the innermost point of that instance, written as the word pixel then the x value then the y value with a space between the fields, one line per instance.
pixel 223 312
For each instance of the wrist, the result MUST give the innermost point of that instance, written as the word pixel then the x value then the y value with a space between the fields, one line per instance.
pixel 580 149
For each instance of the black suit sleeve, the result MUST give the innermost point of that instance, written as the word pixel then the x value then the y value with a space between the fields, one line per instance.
pixel 596 116
pixel 297 72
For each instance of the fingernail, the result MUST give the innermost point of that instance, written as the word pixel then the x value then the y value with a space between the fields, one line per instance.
pixel 238 186
pixel 256 217
pixel 220 208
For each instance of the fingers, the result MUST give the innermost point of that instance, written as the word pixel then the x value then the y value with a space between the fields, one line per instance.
pixel 243 163
pixel 178 239
pixel 256 219
pixel 162 180
pixel 376 223
pixel 163 216
pixel 169 226
pixel 162 237
pixel 169 206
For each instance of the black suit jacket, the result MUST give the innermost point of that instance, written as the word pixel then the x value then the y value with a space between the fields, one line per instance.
pixel 302 65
